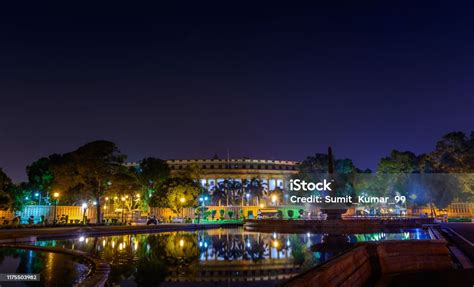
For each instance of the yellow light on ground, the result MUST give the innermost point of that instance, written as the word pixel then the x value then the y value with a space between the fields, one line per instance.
pixel 56 194
pixel 181 243
pixel 182 199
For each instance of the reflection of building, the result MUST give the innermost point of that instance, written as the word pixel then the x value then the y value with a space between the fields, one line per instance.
pixel 273 173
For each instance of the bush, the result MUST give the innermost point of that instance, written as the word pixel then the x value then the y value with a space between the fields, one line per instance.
pixel 290 213
pixel 221 213
pixel 280 214
pixel 230 213
pixel 213 213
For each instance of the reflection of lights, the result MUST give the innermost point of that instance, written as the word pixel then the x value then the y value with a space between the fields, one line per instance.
pixel 274 235
pixel 84 205
pixel 200 244
pixel 248 244
pixel 276 243
pixel 308 234
pixel 288 242
pixel 181 243
pixel 94 203
pixel 113 244
pixel 120 246
pixel 274 198
pixel 262 205
pixel 135 246
pixel 205 244
pixel 81 239
pixel 103 242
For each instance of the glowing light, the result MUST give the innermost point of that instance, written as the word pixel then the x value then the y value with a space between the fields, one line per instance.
pixel 120 246
pixel 123 198
pixel 181 243
pixel 288 242
pixel 276 243
pixel 81 239
pixel 247 195
pixel 94 203
pixel 106 198
pixel 182 200
pixel 115 198
pixel 103 243
pixel 274 198
pixel 36 194
pixel 138 195
pixel 56 194
pixel 84 205
pixel 262 205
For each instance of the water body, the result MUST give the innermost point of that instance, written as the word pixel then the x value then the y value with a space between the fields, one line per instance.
pixel 54 269
pixel 217 257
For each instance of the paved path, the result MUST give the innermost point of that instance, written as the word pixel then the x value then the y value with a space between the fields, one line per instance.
pixel 461 236
pixel 465 230
pixel 52 232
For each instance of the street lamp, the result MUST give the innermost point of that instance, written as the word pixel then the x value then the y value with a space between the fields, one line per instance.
pixel 248 198
pixel 123 201
pixel 203 202
pixel 84 208
pixel 182 200
pixel 56 196
pixel 274 199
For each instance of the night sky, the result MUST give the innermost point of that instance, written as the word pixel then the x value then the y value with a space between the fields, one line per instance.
pixel 269 81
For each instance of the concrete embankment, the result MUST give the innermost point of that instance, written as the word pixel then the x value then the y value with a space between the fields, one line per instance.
pixel 99 268
pixel 378 264
pixel 31 234
pixel 351 226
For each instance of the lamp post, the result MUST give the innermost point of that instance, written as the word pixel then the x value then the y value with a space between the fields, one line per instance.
pixel 203 204
pixel 56 197
pixel 123 201
pixel 182 200
pixel 248 198
pixel 274 199
pixel 84 208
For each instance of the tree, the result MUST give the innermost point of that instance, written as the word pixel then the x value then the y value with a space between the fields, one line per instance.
pixel 40 174
pixel 176 193
pixel 5 189
pixel 125 184
pixel 87 170
pixel 152 173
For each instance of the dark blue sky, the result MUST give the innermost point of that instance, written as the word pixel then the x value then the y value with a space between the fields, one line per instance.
pixel 265 81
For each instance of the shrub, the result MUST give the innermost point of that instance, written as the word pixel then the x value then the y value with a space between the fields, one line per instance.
pixel 221 212
pixel 230 213
pixel 213 213
pixel 280 214
pixel 290 213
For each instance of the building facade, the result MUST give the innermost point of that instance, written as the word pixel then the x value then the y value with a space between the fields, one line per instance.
pixel 272 173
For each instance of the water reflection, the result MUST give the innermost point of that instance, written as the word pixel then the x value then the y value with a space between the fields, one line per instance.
pixel 233 256
pixel 54 269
